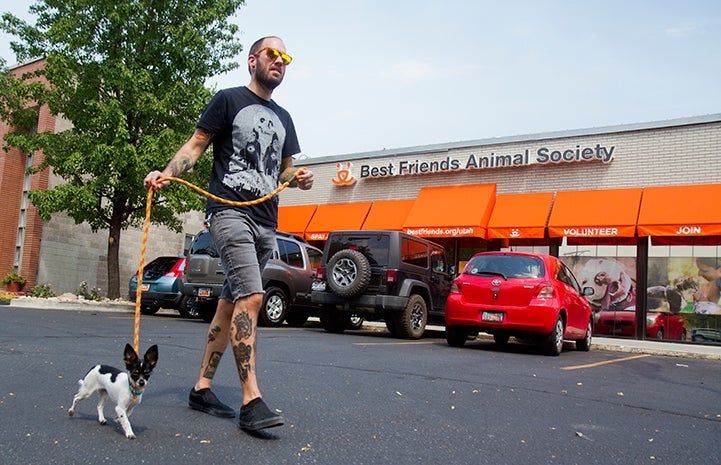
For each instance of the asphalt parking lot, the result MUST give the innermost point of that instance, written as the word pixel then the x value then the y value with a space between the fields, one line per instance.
pixel 359 397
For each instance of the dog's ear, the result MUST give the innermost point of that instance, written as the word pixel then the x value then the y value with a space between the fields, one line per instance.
pixel 130 355
pixel 151 356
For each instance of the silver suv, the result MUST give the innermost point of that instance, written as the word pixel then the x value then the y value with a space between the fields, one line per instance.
pixel 287 279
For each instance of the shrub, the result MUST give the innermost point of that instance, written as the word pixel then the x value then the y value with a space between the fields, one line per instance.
pixel 89 294
pixel 42 291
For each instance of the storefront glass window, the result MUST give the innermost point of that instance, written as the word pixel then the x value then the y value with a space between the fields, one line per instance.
pixel 683 296
pixel 683 289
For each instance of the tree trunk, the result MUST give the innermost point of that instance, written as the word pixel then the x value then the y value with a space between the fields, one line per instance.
pixel 113 256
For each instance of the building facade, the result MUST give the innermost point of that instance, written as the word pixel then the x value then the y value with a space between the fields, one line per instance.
pixel 633 209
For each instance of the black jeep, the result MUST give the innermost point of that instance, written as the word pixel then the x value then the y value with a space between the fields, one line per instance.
pixel 382 275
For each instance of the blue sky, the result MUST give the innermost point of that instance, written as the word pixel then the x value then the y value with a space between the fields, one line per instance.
pixel 375 74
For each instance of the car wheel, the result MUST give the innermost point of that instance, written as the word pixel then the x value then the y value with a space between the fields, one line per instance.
pixel 355 321
pixel 554 341
pixel 332 320
pixel 684 335
pixel 349 273
pixel 501 339
pixel 411 322
pixel 296 318
pixel 187 307
pixel 456 336
pixel 149 309
pixel 274 308
pixel 585 343
pixel 659 334
pixel 207 310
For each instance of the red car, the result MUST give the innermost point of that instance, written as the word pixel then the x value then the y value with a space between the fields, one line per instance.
pixel 525 295
pixel 663 319
pixel 659 324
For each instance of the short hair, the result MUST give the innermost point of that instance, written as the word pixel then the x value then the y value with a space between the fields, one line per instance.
pixel 256 46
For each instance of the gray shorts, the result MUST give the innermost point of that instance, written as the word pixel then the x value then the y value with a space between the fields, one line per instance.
pixel 245 248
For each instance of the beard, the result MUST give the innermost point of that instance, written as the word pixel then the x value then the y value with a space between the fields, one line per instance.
pixel 267 80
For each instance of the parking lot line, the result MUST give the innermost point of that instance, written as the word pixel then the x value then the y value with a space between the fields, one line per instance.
pixel 392 343
pixel 605 362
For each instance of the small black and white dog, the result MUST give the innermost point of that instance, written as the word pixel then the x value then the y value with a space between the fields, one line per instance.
pixel 125 388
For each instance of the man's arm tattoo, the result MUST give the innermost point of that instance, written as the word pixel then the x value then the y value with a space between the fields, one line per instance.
pixel 179 165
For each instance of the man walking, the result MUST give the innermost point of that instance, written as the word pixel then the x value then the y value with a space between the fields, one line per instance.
pixel 254 140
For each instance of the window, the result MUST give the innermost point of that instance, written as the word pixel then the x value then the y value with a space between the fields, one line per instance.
pixel 438 260
pixel 203 245
pixel 414 252
pixel 290 253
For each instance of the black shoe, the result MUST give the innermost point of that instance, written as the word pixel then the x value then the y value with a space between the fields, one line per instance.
pixel 205 401
pixel 256 415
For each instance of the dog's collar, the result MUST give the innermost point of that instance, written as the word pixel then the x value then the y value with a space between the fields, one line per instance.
pixel 135 392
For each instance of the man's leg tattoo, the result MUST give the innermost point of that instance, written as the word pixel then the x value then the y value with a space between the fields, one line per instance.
pixel 242 358
pixel 212 365
pixel 212 334
pixel 243 352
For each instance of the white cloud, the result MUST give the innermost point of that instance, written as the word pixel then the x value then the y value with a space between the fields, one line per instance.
pixel 680 31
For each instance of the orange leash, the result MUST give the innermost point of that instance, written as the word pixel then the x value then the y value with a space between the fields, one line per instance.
pixel 139 292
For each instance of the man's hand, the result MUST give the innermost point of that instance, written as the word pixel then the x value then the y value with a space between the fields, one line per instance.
pixel 151 181
pixel 304 178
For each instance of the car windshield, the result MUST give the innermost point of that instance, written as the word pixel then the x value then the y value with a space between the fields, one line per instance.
pixel 509 266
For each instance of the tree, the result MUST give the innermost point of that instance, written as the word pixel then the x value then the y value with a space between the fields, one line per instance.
pixel 130 76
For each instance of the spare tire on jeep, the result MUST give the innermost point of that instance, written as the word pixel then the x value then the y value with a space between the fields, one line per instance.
pixel 349 273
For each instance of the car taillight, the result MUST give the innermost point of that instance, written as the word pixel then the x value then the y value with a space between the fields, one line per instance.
pixel 455 288
pixel 545 292
pixel 177 270
pixel 320 273
pixel 391 276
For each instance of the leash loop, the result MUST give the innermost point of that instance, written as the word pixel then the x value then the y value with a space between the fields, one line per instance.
pixel 139 291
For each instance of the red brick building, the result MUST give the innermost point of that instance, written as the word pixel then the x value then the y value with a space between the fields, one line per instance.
pixel 21 230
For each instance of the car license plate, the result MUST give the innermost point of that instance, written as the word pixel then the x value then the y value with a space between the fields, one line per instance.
pixel 144 287
pixel 204 292
pixel 493 317
pixel 318 286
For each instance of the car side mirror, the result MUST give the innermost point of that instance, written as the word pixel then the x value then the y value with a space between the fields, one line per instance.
pixel 587 291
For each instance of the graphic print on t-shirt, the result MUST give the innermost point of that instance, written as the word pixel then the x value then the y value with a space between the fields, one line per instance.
pixel 258 136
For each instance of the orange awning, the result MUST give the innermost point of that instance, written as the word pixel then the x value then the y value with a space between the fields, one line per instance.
pixel 681 211
pixel 451 211
pixel 295 218
pixel 520 216
pixel 605 214
pixel 388 214
pixel 336 216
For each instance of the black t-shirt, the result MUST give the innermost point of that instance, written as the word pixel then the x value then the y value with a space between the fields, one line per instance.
pixel 251 137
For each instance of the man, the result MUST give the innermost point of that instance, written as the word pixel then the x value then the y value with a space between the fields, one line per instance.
pixel 253 140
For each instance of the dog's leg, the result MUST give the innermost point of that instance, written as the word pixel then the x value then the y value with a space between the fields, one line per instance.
pixel 101 404
pixel 83 393
pixel 124 422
